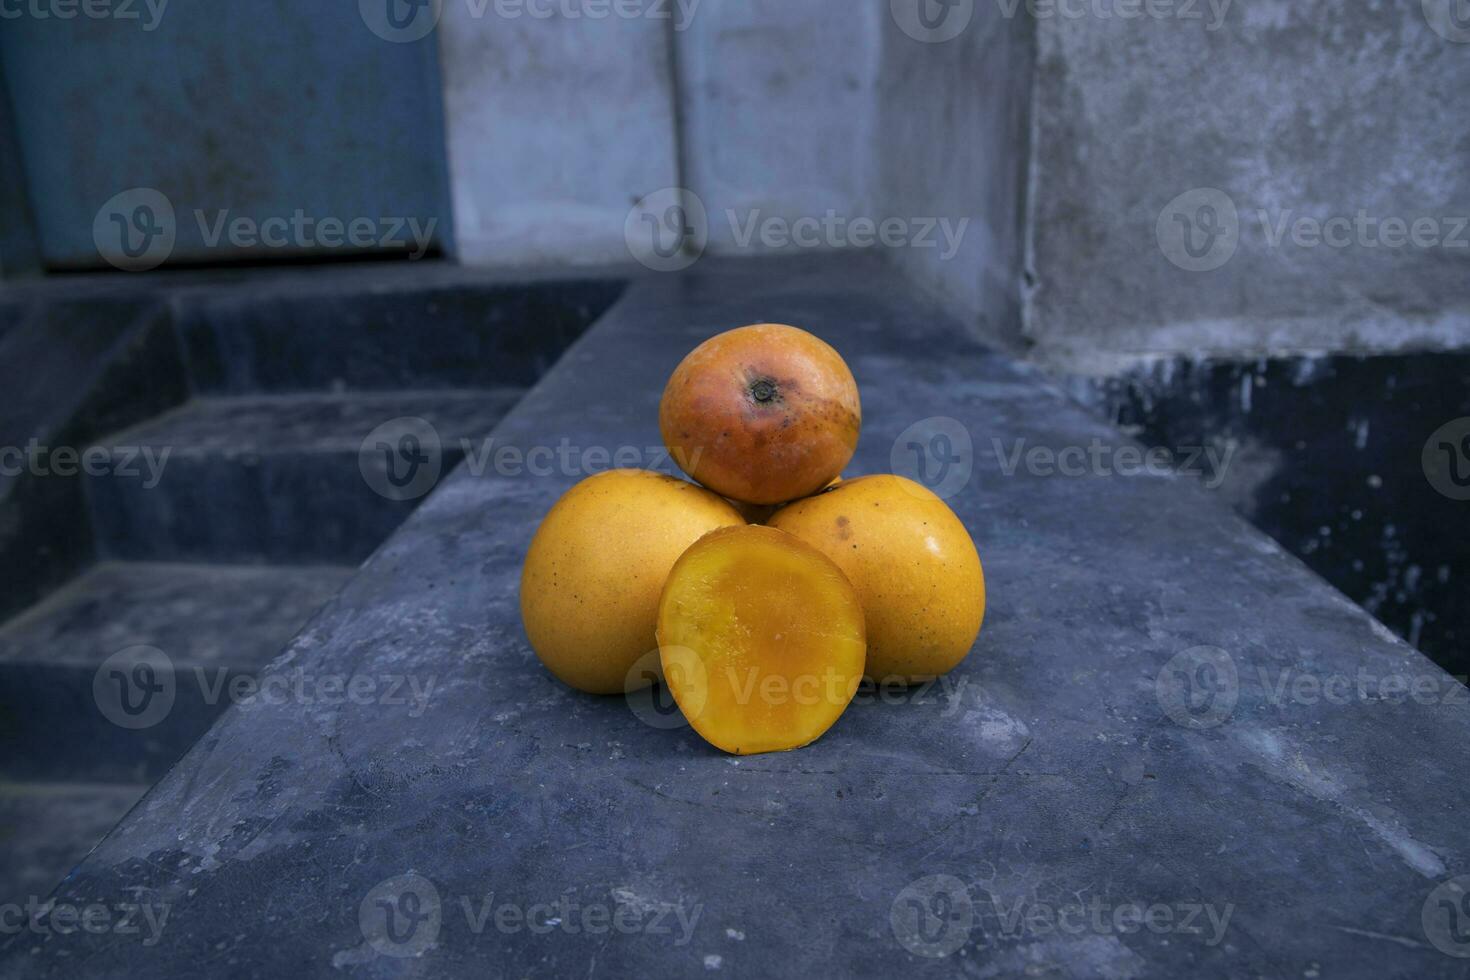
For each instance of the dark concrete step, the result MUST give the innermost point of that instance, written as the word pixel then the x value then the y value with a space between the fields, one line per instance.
pixel 68 663
pixel 46 829
pixel 424 328
pixel 70 370
pixel 284 478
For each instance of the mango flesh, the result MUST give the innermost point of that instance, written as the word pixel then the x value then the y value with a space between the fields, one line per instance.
pixel 762 414
pixel 592 579
pixel 761 640
pixel 912 563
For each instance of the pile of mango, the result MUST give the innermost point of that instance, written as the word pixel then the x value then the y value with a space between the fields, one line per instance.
pixel 771 588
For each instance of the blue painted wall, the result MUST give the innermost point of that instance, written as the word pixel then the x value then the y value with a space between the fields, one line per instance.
pixel 253 109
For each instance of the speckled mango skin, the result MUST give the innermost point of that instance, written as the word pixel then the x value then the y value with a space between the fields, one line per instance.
pixel 912 563
pixel 596 568
pixel 762 414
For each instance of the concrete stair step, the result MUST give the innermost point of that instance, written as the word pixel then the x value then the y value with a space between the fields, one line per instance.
pixel 115 675
pixel 46 829
pixel 406 330
pixel 298 478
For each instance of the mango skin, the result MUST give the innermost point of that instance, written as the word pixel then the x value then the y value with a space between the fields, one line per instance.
pixel 596 567
pixel 762 414
pixel 913 564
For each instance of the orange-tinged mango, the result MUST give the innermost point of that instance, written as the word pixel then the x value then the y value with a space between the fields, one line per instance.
pixel 762 414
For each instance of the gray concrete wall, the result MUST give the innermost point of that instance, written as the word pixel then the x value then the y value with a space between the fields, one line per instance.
pixel 556 126
pixel 780 116
pixel 1227 123
pixel 954 117
pixel 840 114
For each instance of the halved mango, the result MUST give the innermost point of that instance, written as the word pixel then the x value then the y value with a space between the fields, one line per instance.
pixel 761 639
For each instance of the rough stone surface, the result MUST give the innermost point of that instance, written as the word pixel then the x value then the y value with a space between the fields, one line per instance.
pixel 1315 109
pixel 1046 771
